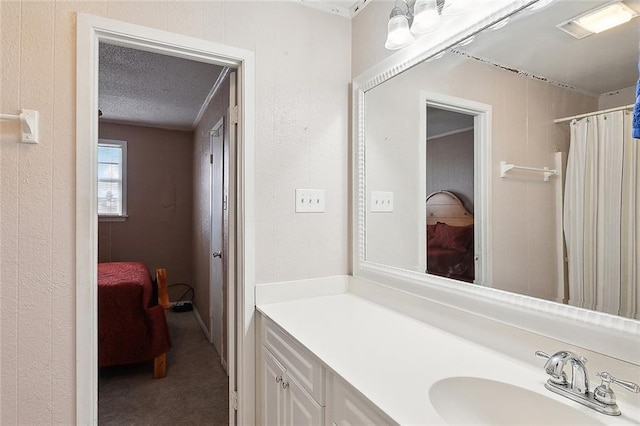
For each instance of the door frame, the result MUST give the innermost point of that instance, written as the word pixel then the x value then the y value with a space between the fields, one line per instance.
pixel 482 114
pixel 91 30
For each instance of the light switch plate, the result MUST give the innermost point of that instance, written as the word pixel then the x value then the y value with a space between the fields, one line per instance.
pixel 309 200
pixel 381 202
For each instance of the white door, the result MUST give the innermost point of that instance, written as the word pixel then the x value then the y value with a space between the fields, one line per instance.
pixel 234 306
pixel 216 296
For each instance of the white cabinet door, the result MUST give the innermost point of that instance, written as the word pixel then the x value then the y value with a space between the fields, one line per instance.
pixel 301 408
pixel 284 401
pixel 346 407
pixel 273 375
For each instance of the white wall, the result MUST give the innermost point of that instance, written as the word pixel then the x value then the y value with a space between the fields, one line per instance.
pixel 302 82
pixel 622 97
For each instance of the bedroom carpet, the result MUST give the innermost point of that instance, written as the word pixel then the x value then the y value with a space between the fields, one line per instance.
pixel 195 391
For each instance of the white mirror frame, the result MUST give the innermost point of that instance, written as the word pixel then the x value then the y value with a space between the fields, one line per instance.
pixel 607 334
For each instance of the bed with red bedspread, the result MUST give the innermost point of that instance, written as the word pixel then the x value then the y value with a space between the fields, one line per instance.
pixel 132 325
pixel 450 246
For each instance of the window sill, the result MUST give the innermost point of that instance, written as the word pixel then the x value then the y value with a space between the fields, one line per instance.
pixel 122 218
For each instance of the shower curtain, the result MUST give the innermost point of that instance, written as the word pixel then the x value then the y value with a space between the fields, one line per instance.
pixel 602 216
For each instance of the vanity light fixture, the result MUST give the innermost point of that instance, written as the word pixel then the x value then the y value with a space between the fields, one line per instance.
pixel 420 17
pixel 398 34
pixel 426 17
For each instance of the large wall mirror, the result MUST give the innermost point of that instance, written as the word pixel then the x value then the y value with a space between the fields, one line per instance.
pixel 506 161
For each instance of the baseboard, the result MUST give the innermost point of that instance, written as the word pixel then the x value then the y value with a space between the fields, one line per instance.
pixel 301 289
pixel 202 325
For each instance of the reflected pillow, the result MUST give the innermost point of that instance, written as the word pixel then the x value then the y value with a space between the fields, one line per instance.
pixel 450 237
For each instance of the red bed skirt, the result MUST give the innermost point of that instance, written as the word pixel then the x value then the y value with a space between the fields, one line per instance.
pixel 132 326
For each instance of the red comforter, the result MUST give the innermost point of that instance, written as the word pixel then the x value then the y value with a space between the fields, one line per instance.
pixel 132 326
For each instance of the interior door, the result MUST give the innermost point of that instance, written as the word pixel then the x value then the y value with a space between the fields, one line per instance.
pixel 234 301
pixel 216 295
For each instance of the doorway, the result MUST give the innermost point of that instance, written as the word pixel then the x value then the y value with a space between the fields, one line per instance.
pixel 91 31
pixel 463 116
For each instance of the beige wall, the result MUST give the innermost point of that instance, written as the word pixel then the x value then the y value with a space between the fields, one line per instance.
pixel 202 211
pixel 159 203
pixel 302 86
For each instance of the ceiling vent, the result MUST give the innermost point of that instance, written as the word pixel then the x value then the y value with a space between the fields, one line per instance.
pixel 574 29
pixel 599 19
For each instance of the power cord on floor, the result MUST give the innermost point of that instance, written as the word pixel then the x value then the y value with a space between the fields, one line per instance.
pixel 183 305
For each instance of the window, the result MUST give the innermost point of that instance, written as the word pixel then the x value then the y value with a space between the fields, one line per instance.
pixel 112 178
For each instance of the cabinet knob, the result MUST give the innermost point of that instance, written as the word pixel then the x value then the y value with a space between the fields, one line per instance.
pixel 285 385
pixel 279 379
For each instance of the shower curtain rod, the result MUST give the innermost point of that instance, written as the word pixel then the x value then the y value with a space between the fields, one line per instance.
pixel 604 111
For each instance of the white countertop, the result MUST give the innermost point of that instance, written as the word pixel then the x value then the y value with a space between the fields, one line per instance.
pixel 393 360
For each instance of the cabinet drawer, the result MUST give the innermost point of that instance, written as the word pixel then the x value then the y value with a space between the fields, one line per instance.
pixel 299 362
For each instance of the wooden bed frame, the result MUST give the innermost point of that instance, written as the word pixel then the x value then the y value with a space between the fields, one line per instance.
pixel 160 362
pixel 446 207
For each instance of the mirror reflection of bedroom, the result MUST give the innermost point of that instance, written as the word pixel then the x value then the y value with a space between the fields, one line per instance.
pixel 162 345
pixel 450 194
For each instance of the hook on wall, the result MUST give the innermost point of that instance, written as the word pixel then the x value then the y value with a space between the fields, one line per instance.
pixel 29 122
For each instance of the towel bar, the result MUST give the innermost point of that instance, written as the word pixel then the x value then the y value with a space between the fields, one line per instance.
pixel 29 120
pixel 505 167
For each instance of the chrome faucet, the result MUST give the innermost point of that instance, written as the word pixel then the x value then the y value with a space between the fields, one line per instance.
pixel 555 368
pixel 602 399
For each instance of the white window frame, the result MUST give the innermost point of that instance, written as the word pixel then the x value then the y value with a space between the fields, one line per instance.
pixel 123 216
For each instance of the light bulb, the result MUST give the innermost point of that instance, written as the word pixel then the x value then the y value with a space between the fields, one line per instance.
pixel 425 16
pixel 398 34
pixel 436 56
pixel 499 24
pixel 466 41
pixel 539 4
pixel 456 7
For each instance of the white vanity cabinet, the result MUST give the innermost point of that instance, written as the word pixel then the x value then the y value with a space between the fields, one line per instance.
pixel 294 387
pixel 292 382
pixel 284 402
pixel 346 407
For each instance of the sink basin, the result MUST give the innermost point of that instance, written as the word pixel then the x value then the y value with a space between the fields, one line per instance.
pixel 472 400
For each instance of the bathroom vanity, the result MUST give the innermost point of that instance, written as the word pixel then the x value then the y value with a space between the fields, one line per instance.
pixel 400 342
pixel 347 358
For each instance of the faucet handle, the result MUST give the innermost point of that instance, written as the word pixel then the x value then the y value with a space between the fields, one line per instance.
pixel 604 393
pixel 559 378
pixel 542 355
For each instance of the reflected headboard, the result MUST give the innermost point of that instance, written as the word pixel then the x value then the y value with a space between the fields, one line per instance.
pixel 446 207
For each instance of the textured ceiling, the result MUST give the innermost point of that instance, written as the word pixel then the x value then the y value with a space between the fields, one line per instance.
pixel 442 122
pixel 599 63
pixel 151 89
